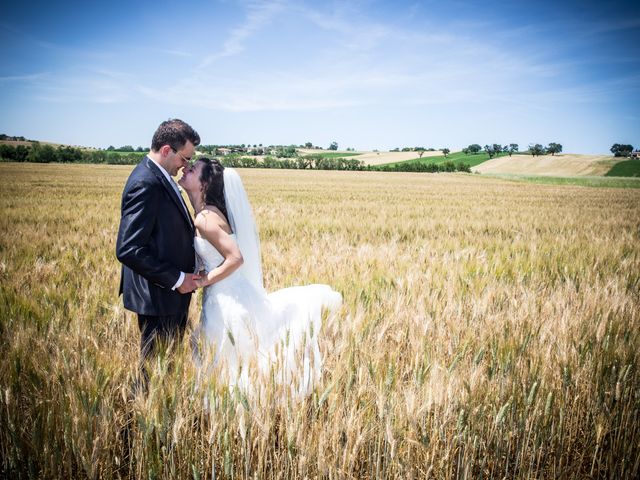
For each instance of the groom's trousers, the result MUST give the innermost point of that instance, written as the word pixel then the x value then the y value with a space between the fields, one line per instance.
pixel 160 329
pixel 157 332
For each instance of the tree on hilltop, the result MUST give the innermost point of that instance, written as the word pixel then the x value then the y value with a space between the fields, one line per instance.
pixel 446 152
pixel 474 148
pixel 536 149
pixel 333 146
pixel 621 150
pixel 490 151
pixel 513 148
pixel 554 148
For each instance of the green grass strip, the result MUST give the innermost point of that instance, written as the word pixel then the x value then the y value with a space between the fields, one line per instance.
pixel 586 181
pixel 626 168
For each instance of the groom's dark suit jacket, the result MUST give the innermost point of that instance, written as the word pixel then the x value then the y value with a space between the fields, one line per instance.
pixel 155 243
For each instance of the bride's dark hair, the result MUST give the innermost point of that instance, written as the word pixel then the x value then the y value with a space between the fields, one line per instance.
pixel 212 179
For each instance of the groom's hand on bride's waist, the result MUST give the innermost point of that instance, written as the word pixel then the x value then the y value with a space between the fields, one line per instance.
pixel 189 284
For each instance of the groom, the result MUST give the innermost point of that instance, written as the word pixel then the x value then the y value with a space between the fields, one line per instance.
pixel 155 239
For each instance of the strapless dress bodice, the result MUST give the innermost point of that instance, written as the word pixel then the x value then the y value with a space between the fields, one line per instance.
pixel 208 254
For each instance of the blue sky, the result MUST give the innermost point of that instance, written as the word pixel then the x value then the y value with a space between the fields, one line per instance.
pixel 367 74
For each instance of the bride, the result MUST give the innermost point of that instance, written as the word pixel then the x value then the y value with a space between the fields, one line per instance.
pixel 253 334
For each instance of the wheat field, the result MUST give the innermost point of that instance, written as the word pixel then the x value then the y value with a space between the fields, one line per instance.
pixel 489 330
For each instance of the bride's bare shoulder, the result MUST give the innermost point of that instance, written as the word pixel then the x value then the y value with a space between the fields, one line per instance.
pixel 211 218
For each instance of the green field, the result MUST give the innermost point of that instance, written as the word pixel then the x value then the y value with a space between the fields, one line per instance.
pixel 583 181
pixel 626 168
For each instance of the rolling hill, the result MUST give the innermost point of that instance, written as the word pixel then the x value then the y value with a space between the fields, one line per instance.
pixel 551 165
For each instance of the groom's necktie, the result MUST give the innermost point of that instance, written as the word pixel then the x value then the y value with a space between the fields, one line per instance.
pixel 177 190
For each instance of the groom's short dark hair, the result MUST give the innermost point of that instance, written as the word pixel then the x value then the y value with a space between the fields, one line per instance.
pixel 175 133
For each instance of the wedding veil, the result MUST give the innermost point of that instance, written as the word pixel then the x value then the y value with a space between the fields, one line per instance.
pixel 244 226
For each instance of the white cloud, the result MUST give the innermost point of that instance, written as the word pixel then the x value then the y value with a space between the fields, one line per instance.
pixel 368 64
pixel 258 15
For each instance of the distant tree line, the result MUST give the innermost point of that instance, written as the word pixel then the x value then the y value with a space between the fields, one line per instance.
pixel 45 153
pixel 126 148
pixel 496 149
pixel 493 150
pixel 319 162
pixel 10 138
pixel 538 149
pixel 286 157
pixel 429 167
pixel 420 150
pixel 309 162
pixel 279 151
pixel 39 153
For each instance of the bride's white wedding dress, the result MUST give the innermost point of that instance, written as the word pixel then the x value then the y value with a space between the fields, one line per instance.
pixel 257 336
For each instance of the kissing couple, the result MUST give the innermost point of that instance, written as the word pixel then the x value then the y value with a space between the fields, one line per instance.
pixel 166 255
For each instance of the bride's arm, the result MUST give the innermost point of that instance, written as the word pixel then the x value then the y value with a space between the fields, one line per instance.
pixel 223 243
